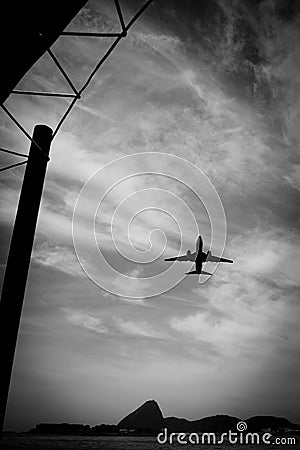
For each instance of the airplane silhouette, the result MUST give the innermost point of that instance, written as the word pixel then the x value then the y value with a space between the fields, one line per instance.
pixel 199 257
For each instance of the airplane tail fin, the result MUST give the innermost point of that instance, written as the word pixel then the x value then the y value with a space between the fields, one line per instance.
pixel 205 273
pixel 194 272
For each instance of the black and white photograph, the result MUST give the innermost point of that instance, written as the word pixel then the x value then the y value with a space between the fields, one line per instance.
pixel 150 224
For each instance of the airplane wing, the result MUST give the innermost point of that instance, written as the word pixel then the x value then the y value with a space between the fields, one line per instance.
pixel 187 257
pixel 212 258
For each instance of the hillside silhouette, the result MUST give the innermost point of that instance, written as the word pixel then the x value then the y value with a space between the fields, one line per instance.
pixel 148 419
pixel 149 416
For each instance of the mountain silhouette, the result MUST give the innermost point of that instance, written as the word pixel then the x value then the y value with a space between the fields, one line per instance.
pixel 258 423
pixel 148 418
pixel 148 415
pixel 219 424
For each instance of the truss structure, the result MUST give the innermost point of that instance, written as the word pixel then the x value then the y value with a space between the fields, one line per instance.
pixel 76 94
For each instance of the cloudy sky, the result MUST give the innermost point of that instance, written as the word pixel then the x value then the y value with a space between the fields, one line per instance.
pixel 217 84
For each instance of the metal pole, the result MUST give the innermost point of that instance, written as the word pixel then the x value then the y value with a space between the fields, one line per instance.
pixel 18 261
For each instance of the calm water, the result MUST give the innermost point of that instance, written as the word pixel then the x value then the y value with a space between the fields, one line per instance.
pixel 113 443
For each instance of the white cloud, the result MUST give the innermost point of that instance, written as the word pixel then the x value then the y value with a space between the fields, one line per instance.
pixel 234 323
pixel 135 286
pixel 92 322
pixel 141 328
pixel 56 256
pixel 84 320
pixel 270 253
pixel 293 176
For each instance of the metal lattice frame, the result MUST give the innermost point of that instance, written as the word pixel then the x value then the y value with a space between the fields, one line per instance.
pixel 76 95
